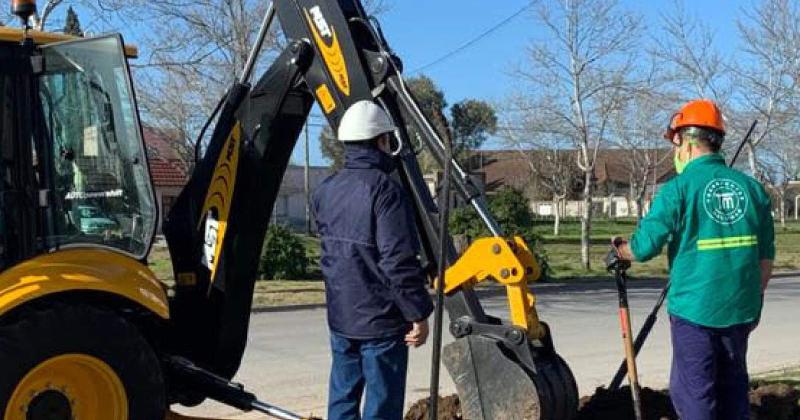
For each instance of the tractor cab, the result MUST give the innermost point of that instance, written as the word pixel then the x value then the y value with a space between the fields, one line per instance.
pixel 73 166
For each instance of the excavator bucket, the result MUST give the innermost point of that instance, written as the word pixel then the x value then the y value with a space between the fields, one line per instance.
pixel 491 384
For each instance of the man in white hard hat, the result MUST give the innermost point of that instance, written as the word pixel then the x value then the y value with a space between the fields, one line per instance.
pixel 377 300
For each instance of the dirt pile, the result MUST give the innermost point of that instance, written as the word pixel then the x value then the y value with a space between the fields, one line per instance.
pixel 449 409
pixel 775 402
pixel 767 402
pixel 606 405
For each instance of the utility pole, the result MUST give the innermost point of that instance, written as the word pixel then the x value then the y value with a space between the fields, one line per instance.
pixel 306 185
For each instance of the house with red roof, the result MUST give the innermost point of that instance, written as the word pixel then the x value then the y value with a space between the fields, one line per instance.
pixel 170 172
pixel 167 167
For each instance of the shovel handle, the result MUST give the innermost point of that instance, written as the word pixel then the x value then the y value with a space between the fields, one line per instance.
pixel 627 340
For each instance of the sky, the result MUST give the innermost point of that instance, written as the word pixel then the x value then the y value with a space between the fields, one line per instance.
pixel 423 31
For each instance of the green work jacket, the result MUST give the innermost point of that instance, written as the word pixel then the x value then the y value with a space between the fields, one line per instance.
pixel 717 223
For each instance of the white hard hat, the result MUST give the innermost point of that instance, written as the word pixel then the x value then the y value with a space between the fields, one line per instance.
pixel 364 120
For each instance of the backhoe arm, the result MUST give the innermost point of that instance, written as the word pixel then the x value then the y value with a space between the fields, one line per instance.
pixel 336 56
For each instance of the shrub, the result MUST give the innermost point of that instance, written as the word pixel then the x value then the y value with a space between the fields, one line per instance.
pixel 283 256
pixel 512 212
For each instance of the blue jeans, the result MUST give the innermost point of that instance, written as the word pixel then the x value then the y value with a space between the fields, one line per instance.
pixel 709 371
pixel 376 366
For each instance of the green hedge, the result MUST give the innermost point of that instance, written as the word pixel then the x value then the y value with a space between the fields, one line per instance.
pixel 283 256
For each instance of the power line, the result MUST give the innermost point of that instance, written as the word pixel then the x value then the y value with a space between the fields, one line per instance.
pixel 473 41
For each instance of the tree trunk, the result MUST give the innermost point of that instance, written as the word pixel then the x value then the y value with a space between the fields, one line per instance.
pixel 639 208
pixel 783 211
pixel 556 215
pixel 586 220
pixel 751 158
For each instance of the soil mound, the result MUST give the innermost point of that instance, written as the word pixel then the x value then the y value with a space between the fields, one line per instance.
pixel 767 402
pixel 606 405
pixel 775 402
pixel 449 409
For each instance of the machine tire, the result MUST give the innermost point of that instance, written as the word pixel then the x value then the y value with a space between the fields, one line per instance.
pixel 58 331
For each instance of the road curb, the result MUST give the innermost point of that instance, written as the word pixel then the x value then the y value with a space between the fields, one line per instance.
pixel 286 308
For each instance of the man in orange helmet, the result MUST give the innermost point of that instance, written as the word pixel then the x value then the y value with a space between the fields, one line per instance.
pixel 717 223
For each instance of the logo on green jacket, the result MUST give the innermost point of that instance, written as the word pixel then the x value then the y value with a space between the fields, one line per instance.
pixel 725 201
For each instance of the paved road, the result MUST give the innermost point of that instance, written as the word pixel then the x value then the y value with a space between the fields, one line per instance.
pixel 287 360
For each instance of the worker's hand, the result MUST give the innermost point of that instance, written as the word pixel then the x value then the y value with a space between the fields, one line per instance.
pixel 618 241
pixel 614 261
pixel 418 334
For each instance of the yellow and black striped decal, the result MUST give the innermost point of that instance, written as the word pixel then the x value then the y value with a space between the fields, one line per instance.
pixel 330 50
pixel 217 205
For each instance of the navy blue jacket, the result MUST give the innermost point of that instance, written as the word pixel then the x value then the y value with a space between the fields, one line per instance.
pixel 374 284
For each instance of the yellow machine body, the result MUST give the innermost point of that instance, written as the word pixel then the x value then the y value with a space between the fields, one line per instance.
pixel 83 270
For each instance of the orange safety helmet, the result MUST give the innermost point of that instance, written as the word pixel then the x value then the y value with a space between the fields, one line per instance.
pixel 697 113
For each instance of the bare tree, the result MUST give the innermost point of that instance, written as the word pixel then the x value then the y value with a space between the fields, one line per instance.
pixel 579 77
pixel 638 127
pixel 193 60
pixel 642 157
pixel 781 165
pixel 687 46
pixel 101 13
pixel 551 159
pixel 767 72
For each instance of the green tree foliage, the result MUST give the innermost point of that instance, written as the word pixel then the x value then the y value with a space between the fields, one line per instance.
pixel 430 98
pixel 510 209
pixel 283 256
pixel 331 148
pixel 72 26
pixel 473 122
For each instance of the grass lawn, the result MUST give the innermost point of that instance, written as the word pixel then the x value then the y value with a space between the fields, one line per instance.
pixel 563 252
pixel 268 293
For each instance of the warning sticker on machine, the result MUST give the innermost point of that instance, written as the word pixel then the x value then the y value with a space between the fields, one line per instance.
pixel 210 245
pixel 90 148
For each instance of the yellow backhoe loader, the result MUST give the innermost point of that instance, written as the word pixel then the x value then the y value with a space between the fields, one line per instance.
pixel 88 332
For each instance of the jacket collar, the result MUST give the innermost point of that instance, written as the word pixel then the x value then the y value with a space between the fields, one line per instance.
pixel 710 158
pixel 366 157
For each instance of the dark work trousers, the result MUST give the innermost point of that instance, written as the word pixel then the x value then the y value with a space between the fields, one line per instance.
pixel 709 371
pixel 376 368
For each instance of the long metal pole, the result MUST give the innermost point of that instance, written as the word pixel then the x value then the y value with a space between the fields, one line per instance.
pixel 254 52
pixel 276 412
pixel 744 141
pixel 306 184
pixel 444 235
pixel 438 149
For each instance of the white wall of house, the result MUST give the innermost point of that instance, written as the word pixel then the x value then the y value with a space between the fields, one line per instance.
pixel 290 205
pixel 614 206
